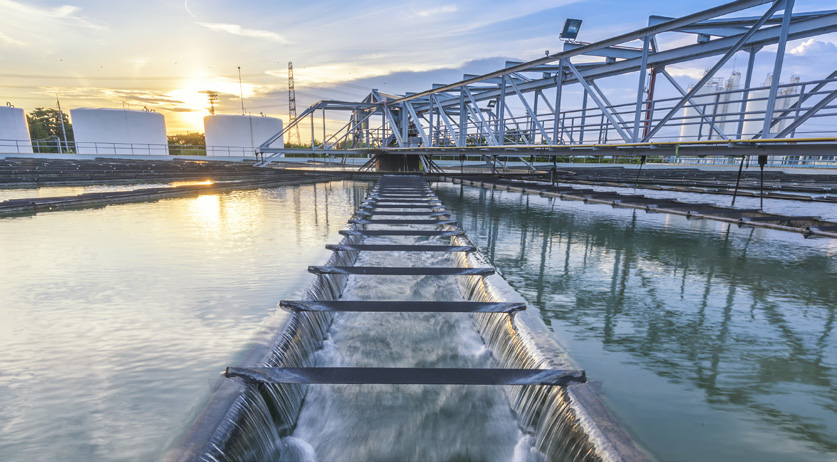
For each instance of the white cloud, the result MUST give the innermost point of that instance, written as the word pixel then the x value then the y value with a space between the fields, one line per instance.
pixel 336 72
pixel 438 10
pixel 813 47
pixel 10 41
pixel 696 73
pixel 64 13
pixel 235 29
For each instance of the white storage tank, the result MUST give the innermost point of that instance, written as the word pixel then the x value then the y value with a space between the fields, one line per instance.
pixel 694 127
pixel 757 104
pixel 14 131
pixel 119 131
pixel 239 135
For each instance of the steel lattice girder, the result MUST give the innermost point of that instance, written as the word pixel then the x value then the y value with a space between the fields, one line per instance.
pixel 717 36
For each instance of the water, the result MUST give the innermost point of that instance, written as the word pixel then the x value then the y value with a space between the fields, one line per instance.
pixel 824 210
pixel 57 191
pixel 115 321
pixel 713 342
pixel 406 422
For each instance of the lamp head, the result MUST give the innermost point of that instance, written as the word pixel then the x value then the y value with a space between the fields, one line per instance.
pixel 570 30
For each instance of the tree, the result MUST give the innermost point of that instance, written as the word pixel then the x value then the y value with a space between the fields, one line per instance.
pixel 187 144
pixel 45 124
pixel 188 138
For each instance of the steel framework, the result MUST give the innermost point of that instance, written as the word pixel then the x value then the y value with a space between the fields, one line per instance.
pixel 525 109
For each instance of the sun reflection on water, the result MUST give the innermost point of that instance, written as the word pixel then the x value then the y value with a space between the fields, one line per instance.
pixel 228 213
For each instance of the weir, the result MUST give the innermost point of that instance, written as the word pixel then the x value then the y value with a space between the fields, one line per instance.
pixel 292 397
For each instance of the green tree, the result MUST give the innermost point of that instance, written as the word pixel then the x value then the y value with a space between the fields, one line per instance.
pixel 45 124
pixel 187 144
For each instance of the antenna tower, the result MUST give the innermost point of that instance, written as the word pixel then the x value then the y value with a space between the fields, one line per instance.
pixel 213 97
pixel 294 138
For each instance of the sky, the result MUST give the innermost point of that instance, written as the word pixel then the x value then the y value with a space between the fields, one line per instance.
pixel 161 55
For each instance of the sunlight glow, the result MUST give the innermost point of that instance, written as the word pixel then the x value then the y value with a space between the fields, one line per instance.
pixel 196 104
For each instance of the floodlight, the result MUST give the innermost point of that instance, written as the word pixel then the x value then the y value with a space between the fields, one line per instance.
pixel 571 27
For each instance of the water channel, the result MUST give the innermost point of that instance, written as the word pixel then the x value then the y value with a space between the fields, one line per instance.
pixel 115 322
pixel 713 342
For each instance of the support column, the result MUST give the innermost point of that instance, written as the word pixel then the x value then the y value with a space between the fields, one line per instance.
pixel 463 118
pixel 745 95
pixel 777 70
pixel 640 91
pixel 559 83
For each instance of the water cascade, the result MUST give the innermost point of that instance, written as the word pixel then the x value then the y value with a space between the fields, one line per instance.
pixel 253 418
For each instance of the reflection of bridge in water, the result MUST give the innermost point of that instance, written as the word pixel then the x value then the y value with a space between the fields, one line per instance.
pixel 575 103
pixel 746 320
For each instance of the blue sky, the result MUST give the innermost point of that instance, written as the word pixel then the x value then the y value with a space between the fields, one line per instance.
pixel 161 54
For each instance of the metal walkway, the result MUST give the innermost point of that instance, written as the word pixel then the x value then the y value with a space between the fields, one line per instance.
pixel 633 102
pixel 396 189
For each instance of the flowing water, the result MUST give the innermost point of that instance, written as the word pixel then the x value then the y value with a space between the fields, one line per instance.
pixel 368 422
pixel 406 422
pixel 115 322
pixel 713 342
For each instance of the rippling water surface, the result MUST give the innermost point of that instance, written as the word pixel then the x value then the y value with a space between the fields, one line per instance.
pixel 56 191
pixel 407 422
pixel 114 321
pixel 713 342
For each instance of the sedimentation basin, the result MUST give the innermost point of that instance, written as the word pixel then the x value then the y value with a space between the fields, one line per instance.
pixel 711 341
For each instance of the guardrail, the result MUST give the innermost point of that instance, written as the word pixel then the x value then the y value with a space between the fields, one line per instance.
pixel 133 149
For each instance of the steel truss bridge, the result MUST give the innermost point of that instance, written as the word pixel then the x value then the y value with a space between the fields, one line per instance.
pixel 555 106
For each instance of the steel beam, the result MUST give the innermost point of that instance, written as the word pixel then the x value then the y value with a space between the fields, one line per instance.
pixel 474 107
pixel 807 115
pixel 531 113
pixel 777 68
pixel 721 10
pixel 726 57
pixel 691 102
pixel 599 103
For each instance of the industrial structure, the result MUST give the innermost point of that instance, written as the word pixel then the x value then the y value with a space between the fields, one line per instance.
pixel 13 127
pixel 238 135
pixel 525 109
pixel 119 131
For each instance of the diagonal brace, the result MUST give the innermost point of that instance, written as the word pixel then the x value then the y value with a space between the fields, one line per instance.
pixel 531 113
pixel 694 106
pixel 625 136
pixel 711 73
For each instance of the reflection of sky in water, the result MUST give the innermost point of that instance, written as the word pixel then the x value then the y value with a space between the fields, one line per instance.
pixel 713 342
pixel 57 191
pixel 114 321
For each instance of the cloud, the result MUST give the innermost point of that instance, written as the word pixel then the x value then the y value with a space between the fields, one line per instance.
pixel 696 73
pixel 813 47
pixel 97 95
pixel 235 29
pixel 438 10
pixel 10 41
pixel 64 13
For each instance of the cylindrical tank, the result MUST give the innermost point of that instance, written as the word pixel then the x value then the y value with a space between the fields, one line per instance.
pixel 785 98
pixel 732 105
pixel 695 127
pixel 119 131
pixel 239 135
pixel 756 105
pixel 14 131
